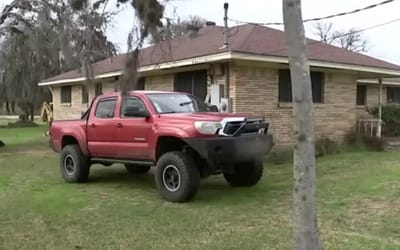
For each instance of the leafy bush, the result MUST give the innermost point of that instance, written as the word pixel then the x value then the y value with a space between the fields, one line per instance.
pixel 326 146
pixel 352 138
pixel 374 143
pixel 390 118
pixel 22 124
pixel 323 146
pixel 280 156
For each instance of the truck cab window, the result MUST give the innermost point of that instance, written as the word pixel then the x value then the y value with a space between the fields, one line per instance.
pixel 106 108
pixel 132 107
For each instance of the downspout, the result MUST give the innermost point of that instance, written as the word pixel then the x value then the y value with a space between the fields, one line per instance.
pixel 379 129
pixel 227 80
pixel 226 45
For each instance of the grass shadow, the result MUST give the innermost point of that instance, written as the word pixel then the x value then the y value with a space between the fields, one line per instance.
pixel 117 176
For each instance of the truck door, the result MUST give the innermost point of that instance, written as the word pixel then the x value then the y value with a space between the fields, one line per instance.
pixel 101 128
pixel 133 130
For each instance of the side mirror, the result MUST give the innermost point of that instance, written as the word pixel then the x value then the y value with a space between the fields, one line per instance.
pixel 213 108
pixel 133 111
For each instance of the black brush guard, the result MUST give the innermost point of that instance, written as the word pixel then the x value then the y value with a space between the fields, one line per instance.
pixel 246 140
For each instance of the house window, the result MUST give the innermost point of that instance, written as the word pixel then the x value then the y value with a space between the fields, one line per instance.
pixel 106 108
pixel 361 98
pixel 192 82
pixel 285 88
pixel 66 94
pixel 98 89
pixel 140 83
pixel 393 94
pixel 85 95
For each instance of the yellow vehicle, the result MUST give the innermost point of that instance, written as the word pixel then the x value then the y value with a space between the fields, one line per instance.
pixel 46 114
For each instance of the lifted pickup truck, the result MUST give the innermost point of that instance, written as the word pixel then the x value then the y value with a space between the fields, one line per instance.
pixel 175 132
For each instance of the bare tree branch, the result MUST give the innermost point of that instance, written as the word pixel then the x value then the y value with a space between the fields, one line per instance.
pixel 349 39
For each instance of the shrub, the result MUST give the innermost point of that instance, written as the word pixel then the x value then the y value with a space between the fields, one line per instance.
pixel 390 118
pixel 374 143
pixel 280 156
pixel 326 146
pixel 22 124
pixel 352 137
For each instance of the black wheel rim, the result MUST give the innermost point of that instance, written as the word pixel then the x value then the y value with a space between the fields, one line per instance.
pixel 171 178
pixel 69 165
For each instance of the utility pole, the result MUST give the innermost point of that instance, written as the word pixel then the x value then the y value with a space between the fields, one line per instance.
pixel 305 226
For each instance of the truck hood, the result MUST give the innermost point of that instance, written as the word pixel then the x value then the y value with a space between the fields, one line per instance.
pixel 206 116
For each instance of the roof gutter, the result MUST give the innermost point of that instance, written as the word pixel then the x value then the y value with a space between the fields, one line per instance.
pixel 317 63
pixel 372 81
pixel 228 55
pixel 148 68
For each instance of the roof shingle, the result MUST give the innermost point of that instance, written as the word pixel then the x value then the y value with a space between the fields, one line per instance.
pixel 248 38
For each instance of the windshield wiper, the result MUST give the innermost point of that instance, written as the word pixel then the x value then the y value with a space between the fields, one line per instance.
pixel 185 103
pixel 168 112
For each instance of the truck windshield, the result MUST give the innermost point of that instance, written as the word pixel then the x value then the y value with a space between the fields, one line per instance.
pixel 167 103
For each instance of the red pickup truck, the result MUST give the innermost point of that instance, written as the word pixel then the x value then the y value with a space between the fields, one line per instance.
pixel 180 135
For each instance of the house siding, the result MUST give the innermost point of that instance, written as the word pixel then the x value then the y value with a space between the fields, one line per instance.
pixel 161 83
pixel 65 111
pixel 254 89
pixel 371 101
pixel 256 92
pixel 73 110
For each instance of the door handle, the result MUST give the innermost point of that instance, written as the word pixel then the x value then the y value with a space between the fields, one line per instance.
pixel 92 125
pixel 119 125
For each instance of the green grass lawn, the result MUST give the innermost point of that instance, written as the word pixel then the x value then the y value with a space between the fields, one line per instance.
pixel 358 205
pixel 21 136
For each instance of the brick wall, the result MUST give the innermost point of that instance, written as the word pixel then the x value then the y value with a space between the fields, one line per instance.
pixel 163 82
pixel 256 92
pixel 65 111
pixel 74 109
pixel 372 100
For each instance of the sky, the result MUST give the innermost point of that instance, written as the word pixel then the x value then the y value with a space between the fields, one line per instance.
pixel 383 42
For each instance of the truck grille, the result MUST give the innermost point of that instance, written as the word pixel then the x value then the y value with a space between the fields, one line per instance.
pixel 249 126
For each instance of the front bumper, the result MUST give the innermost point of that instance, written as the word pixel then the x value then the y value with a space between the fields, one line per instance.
pixel 232 148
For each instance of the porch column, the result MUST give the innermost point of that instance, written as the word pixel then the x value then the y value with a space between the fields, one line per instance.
pixel 379 129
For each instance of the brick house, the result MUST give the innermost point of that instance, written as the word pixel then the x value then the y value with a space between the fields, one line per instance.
pixel 253 69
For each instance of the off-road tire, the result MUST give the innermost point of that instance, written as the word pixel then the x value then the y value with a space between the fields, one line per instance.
pixel 81 164
pixel 189 176
pixel 137 169
pixel 245 174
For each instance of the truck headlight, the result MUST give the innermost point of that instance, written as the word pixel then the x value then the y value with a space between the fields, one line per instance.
pixel 207 128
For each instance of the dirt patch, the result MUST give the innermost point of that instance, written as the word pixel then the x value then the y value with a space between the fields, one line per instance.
pixel 378 208
pixel 383 240
pixel 35 152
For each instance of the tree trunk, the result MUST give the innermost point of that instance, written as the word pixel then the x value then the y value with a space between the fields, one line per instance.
pixel 8 107
pixel 13 107
pixel 32 112
pixel 305 226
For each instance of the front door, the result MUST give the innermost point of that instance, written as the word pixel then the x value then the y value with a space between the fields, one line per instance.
pixel 192 82
pixel 133 130
pixel 101 128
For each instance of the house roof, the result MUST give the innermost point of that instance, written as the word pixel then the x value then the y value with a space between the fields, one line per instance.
pixel 249 39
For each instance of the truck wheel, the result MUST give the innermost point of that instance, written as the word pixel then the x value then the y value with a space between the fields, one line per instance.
pixel 74 165
pixel 245 174
pixel 137 169
pixel 177 177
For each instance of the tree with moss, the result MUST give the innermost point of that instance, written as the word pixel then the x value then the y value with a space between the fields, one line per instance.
pixel 43 38
pixel 149 14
